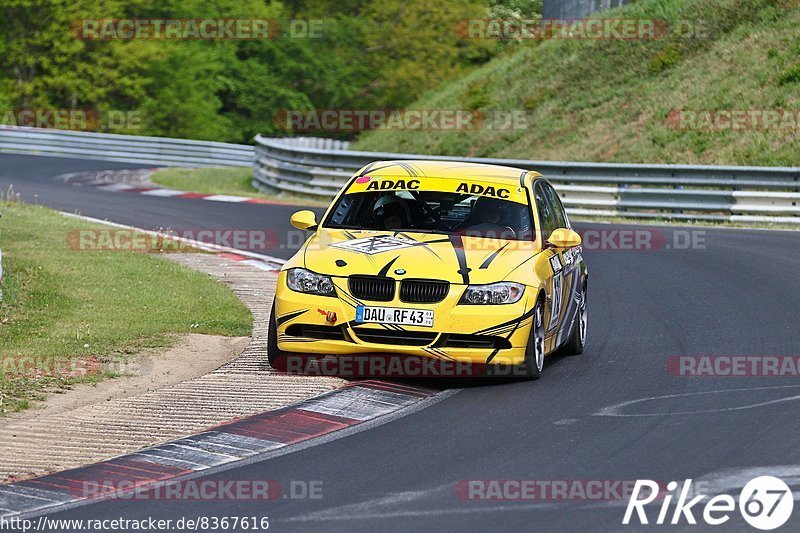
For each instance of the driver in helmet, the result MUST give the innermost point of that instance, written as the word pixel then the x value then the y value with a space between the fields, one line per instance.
pixel 392 213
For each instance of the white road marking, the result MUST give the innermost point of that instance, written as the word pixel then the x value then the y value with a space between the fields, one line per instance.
pixel 614 410
pixel 259 264
pixel 225 198
pixel 116 187
pixel 166 193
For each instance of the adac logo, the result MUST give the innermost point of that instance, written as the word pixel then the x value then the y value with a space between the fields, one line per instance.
pixel 392 185
pixel 475 188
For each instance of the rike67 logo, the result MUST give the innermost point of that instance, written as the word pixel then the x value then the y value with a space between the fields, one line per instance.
pixel 765 503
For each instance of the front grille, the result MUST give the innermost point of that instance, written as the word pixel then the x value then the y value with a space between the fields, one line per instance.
pixel 309 331
pixel 401 338
pixel 373 288
pixel 478 342
pixel 423 291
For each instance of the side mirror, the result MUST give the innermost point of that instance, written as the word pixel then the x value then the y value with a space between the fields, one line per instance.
pixel 564 238
pixel 304 220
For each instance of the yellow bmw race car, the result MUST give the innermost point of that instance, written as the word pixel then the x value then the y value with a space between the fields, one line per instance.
pixel 452 261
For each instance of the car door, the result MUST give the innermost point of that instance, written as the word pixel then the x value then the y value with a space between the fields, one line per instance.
pixel 569 273
pixel 554 285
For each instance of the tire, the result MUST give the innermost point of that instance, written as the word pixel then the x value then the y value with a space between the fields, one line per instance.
pixel 577 340
pixel 277 358
pixel 534 353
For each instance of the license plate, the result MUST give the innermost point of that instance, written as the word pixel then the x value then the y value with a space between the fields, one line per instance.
pixel 393 315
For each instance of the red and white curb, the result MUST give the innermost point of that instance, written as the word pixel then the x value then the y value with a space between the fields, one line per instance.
pixel 352 405
pixel 82 180
pixel 260 261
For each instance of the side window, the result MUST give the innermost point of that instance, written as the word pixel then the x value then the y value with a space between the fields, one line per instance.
pixel 547 219
pixel 558 208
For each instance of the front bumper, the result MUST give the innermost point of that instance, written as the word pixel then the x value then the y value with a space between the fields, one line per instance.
pixel 321 325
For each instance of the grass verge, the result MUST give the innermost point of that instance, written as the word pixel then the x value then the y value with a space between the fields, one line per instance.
pixel 65 311
pixel 229 181
pixel 620 101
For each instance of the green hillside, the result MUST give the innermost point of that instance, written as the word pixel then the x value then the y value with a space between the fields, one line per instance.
pixel 613 100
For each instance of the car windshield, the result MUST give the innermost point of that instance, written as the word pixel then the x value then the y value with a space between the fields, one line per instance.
pixel 433 212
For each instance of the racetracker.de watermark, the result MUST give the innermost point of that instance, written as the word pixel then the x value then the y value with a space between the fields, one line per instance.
pixel 270 241
pixel 170 240
pixel 593 239
pixel 197 29
pixel 615 29
pixel 391 366
pixel 32 366
pixel 72 119
pixel 642 240
pixel 199 490
pixel 338 120
pixel 772 120
pixel 733 366
pixel 545 489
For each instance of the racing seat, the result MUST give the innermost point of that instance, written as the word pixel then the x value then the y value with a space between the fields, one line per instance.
pixel 481 218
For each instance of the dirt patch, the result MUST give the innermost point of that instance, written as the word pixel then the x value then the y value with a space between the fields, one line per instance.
pixel 192 356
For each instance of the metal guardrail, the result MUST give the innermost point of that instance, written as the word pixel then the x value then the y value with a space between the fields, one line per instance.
pixel 158 151
pixel 691 192
pixel 320 167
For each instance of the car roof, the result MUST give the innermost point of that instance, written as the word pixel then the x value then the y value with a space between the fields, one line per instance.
pixel 444 169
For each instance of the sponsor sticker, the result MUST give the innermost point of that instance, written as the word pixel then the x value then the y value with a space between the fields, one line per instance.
pixel 375 245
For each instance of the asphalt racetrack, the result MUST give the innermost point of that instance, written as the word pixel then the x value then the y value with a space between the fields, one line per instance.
pixel 621 411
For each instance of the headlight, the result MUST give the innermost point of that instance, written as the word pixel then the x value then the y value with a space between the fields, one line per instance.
pixel 302 280
pixel 494 294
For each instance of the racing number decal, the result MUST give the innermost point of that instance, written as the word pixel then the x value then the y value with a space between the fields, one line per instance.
pixel 557 293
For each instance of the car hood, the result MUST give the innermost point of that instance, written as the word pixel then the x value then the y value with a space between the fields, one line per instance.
pixel 454 258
